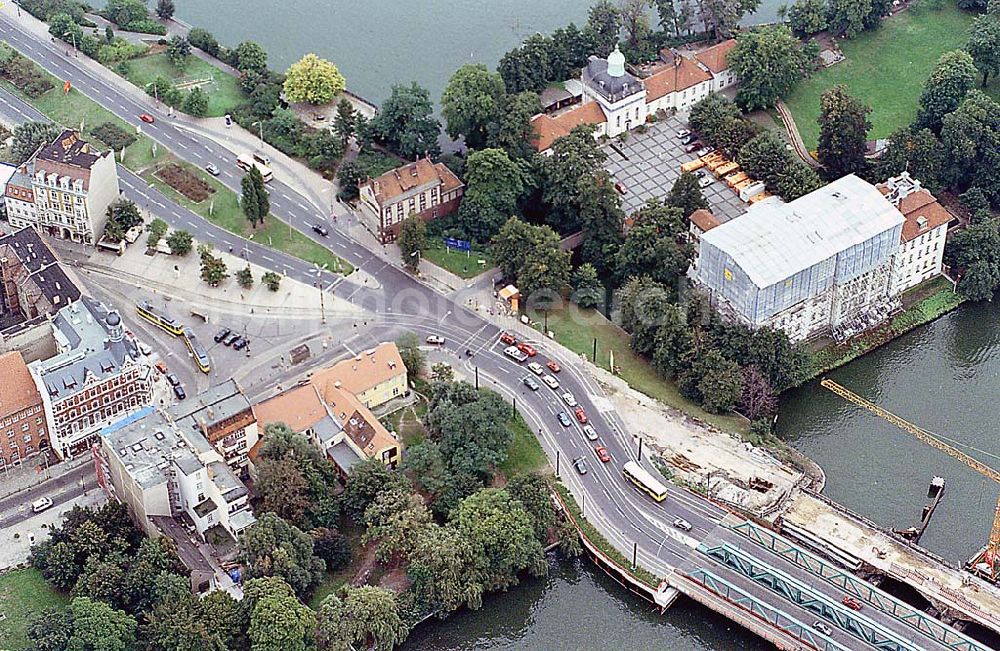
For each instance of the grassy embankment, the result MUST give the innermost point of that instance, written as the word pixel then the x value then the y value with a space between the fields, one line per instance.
pixel 224 93
pixel 23 595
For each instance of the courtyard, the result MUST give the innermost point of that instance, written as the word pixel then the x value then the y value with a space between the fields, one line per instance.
pixel 647 164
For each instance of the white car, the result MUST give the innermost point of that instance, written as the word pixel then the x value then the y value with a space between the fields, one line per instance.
pixel 536 368
pixel 705 181
pixel 590 432
pixel 514 353
pixel 569 399
pixel 683 133
pixel 41 504
pixel 144 349
pixel 682 524
pixel 437 340
pixel 550 382
pixel 822 628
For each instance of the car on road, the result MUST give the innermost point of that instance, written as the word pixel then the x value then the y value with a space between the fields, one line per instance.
pixel 581 415
pixel 851 602
pixel 705 181
pixel 691 146
pixel 172 379
pixel 569 399
pixel 550 382
pixel 555 368
pixel 704 151
pixel 436 340
pixel 179 392
pixel 161 367
pixel 144 349
pixel 508 338
pixel 222 334
pixel 822 628
pixel 683 133
pixel 581 465
pixel 321 229
pixel 241 343
pixel 514 353
pixel 527 349
pixel 602 453
pixel 590 432
pixel 41 504
pixel 147 118
pixel 536 368
pixel 682 524
pixel 531 383
pixel 230 338
pixel 212 169
pixel 564 419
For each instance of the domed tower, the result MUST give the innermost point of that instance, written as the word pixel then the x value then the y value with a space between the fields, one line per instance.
pixel 616 63
pixel 619 94
pixel 115 330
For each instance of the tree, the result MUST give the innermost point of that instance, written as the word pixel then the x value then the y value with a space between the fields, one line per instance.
pixel 722 17
pixel 157 229
pixel 272 280
pixel 545 268
pixel 976 205
pixel 313 80
pixel 439 568
pixel 587 288
pixel 918 152
pixel 196 103
pixel 471 103
pixel 393 519
pixel 767 159
pixel 758 400
pixel 99 627
pixel 409 351
pixel 51 629
pixel 808 17
pixel 984 45
pixel 574 157
pixel 125 12
pixel 180 242
pixel 685 195
pixel 976 253
pixel 635 20
pixel 273 547
pixel 952 78
pixel 512 130
pixel 970 137
pixel 602 221
pixel 62 26
pixel 603 24
pixel 245 277
pixel 843 129
pixel 332 547
pixel 277 620
pixel 366 615
pixel 254 201
pixel 847 17
pixel 532 491
pixel 529 66
pixel 366 481
pixel 178 51
pixel 165 9
pixel 643 304
pixel 213 268
pixel 412 240
pixel 406 124
pixel 29 137
pixel 769 61
pixel 672 343
pixel 656 245
pixel 720 382
pixel 250 57
pixel 204 41
pixel 123 215
pixel 344 121
pixel 471 431
pixel 710 116
pixel 493 185
pixel 284 490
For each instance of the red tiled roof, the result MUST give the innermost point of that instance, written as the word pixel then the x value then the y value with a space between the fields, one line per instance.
pixel 401 180
pixel 548 129
pixel 19 390
pixel 671 78
pixel 921 204
pixel 714 57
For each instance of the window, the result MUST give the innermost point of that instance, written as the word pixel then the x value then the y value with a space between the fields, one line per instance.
pixel 26 438
pixel 25 427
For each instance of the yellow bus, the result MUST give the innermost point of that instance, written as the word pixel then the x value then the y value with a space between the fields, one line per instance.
pixel 644 481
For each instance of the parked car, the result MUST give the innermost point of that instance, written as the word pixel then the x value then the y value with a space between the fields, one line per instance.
pixel 569 399
pixel 590 432
pixel 822 628
pixel 241 343
pixel 704 151
pixel 514 353
pixel 212 169
pixel 144 349
pixel 699 173
pixel 621 189
pixel 692 146
pixel 222 334
pixel 508 339
pixel 851 602
pixel 41 504
pixel 179 392
pixel 550 382
pixel 581 465
pixel 321 229
pixel 682 524
pixel 536 368
pixel 147 118
pixel 555 368
pixel 161 367
pixel 230 338
pixel 172 379
pixel 530 383
pixel 527 349
pixel 688 139
pixel 602 454
pixel 704 181
pixel 683 133
pixel 564 419
pixel 436 340
pixel 581 415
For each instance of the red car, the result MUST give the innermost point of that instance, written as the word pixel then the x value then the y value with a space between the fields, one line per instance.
pixel 602 454
pixel 851 603
pixel 147 118
pixel 508 339
pixel 526 349
pixel 581 415
pixel 555 368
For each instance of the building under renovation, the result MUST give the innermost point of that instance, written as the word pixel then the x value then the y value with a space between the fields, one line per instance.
pixel 822 264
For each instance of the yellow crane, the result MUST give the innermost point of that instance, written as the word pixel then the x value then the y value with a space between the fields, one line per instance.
pixel 986 563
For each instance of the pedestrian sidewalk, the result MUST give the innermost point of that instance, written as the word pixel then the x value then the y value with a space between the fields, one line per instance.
pixel 33 471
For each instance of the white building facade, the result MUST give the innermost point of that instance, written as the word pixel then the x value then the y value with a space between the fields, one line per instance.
pixel 921 250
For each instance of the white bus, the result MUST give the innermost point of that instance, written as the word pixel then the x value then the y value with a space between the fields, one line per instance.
pixel 644 481
pixel 246 161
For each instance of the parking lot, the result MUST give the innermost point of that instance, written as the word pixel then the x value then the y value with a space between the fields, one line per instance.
pixel 647 164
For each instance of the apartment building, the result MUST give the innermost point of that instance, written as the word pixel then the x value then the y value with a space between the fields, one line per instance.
pixel 921 250
pixel 64 190
pixel 422 188
pixel 23 430
pixel 374 376
pixel 97 377
pixel 224 417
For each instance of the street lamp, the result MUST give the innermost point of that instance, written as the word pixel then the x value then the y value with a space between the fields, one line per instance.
pixel 156 90
pixel 73 34
pixel 261 125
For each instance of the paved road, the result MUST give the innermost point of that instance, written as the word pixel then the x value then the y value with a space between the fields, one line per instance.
pixel 402 303
pixel 62 488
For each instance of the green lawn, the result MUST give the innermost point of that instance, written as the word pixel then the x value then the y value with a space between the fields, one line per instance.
pixel 23 595
pixel 885 69
pixel 576 329
pixel 460 263
pixel 525 453
pixel 223 90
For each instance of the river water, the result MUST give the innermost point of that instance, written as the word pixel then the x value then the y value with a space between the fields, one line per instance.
pixel 943 376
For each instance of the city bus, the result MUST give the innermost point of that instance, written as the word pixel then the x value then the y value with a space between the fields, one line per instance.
pixel 158 318
pixel 246 161
pixel 644 481
pixel 199 352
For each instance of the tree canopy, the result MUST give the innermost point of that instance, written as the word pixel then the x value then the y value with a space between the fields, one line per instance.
pixel 472 102
pixel 769 61
pixel 313 80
